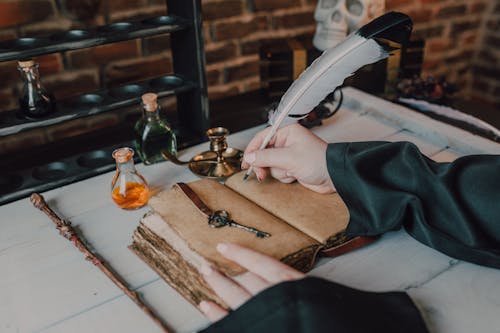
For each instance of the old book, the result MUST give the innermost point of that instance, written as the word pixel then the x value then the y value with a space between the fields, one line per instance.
pixel 174 238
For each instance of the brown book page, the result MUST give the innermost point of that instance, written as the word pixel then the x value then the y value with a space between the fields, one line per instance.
pixel 321 216
pixel 191 225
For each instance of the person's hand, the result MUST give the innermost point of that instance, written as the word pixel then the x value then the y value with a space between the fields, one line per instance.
pixel 294 153
pixel 263 272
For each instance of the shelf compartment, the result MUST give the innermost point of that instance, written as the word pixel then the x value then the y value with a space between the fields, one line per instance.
pixel 13 122
pixel 28 47
pixel 21 183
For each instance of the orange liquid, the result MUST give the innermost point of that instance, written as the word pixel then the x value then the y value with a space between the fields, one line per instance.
pixel 136 196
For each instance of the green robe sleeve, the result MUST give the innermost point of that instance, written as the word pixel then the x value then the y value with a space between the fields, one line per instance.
pixel 451 207
pixel 314 305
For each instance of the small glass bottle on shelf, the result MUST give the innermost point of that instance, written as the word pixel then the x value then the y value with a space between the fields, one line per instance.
pixel 35 101
pixel 129 189
pixel 153 133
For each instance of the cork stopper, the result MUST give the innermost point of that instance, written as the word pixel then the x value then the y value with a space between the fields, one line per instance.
pixel 150 102
pixel 26 63
pixel 122 155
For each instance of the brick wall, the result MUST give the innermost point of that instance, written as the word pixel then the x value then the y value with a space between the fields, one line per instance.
pixel 485 83
pixel 462 43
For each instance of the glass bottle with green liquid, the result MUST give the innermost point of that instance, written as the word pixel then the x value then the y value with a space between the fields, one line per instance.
pixel 153 133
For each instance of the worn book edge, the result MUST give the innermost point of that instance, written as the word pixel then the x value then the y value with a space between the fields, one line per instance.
pixel 176 263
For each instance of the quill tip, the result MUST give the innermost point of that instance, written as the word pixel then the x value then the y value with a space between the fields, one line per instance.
pixel 247 174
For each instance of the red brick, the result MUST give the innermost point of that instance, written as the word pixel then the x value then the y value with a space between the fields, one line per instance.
pixel 22 140
pixel 420 16
pixel 67 129
pixel 438 45
pixel 293 20
pixel 250 46
pixel 488 56
pixel 82 10
pixel 274 4
pixel 49 64
pixel 137 69
pixel 460 27
pixel 395 4
pixel 464 55
pixel 99 121
pixel 207 32
pixel 14 13
pixel 493 41
pixel 7 35
pixel 221 92
pixel 156 44
pixel 493 25
pixel 451 11
pixel 119 5
pixel 103 54
pixel 432 1
pixel 469 40
pixel 478 7
pixel 68 84
pixel 9 101
pixel 431 64
pixel 220 9
pixel 242 71
pixel 239 28
pixel 9 74
pixel 137 14
pixel 427 32
pixel 220 53
pixel 253 84
pixel 213 77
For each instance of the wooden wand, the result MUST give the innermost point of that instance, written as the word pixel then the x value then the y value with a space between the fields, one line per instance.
pixel 67 231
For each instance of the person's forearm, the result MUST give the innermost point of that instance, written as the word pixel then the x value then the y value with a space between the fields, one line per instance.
pixel 453 207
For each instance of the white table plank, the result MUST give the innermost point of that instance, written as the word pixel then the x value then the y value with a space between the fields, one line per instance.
pixel 160 297
pixel 426 147
pixel 447 155
pixel 394 262
pixel 464 299
pixel 346 126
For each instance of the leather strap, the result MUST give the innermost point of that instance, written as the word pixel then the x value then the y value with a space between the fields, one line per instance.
pixel 350 245
pixel 195 199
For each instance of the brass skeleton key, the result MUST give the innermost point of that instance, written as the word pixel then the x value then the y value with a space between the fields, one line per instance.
pixel 221 219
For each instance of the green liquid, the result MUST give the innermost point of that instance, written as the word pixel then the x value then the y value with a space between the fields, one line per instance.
pixel 152 137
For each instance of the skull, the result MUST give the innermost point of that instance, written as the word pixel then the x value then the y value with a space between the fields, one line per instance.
pixel 337 18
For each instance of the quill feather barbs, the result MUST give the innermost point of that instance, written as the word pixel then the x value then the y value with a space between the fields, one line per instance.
pixel 336 64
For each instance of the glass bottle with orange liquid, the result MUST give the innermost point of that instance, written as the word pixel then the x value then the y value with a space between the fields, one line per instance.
pixel 129 189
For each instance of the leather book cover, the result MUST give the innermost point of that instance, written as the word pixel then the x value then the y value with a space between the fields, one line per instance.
pixel 175 238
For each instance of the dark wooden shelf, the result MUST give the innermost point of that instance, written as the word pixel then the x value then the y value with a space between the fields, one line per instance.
pixel 28 47
pixel 49 166
pixel 96 102
pixel 89 158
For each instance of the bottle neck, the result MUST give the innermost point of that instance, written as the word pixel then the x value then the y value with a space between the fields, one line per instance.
pixel 126 166
pixel 152 115
pixel 30 75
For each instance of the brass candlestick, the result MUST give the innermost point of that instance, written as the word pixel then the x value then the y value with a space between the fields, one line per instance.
pixel 219 162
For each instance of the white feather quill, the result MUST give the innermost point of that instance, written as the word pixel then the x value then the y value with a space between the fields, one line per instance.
pixel 331 69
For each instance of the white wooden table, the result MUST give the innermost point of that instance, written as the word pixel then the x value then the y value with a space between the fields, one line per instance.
pixel 47 286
